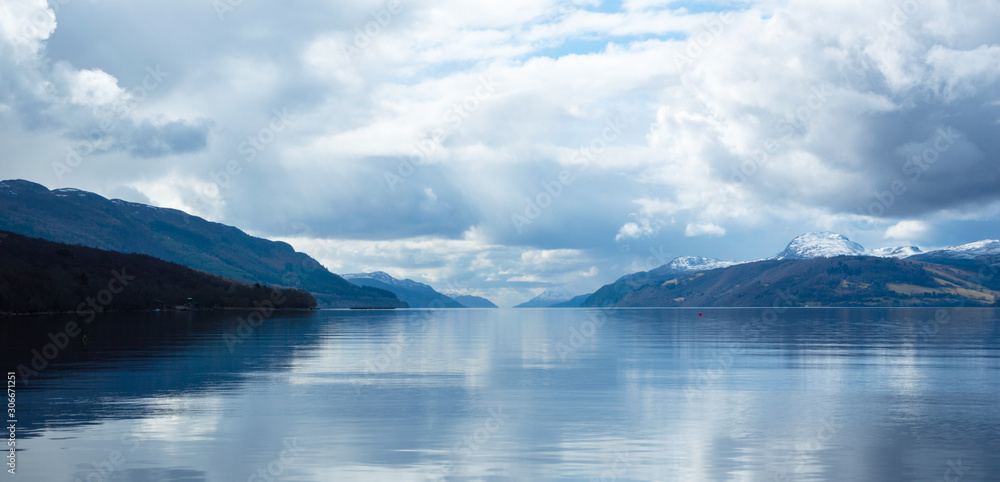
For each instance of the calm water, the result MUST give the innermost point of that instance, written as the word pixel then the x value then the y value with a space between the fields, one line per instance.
pixel 811 394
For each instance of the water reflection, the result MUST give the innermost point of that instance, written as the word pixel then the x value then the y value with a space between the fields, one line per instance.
pixel 848 394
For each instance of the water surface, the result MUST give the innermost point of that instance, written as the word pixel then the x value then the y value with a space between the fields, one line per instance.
pixel 546 394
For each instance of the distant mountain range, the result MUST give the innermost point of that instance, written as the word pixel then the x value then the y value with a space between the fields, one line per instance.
pixel 471 301
pixel 417 295
pixel 611 295
pixel 554 298
pixel 819 269
pixel 81 218
pixel 838 281
pixel 980 252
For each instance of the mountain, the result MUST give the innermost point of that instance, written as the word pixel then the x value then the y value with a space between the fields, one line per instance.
pixel 690 264
pixel 895 252
pixel 985 252
pixel 77 217
pixel 820 245
pixel 574 302
pixel 43 276
pixel 837 281
pixel 470 301
pixel 610 295
pixel 745 284
pixel 829 245
pixel 547 299
pixel 417 295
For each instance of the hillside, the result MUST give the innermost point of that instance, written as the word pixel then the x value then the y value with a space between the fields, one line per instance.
pixel 612 294
pixel 839 281
pixel 986 252
pixel 470 301
pixel 870 278
pixel 417 295
pixel 574 302
pixel 43 276
pixel 82 218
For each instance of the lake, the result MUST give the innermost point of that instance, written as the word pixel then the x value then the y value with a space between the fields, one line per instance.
pixel 532 394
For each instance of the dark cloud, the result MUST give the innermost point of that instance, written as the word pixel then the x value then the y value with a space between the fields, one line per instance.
pixel 173 138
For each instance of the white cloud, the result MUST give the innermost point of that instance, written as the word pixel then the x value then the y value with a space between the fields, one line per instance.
pixel 634 231
pixel 704 229
pixel 94 88
pixel 961 73
pixel 25 25
pixel 456 264
pixel 907 230
pixel 774 123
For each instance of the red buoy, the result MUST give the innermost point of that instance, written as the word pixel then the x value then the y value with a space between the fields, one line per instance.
pixel 699 313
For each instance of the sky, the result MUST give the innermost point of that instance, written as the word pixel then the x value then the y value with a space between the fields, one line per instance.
pixel 505 148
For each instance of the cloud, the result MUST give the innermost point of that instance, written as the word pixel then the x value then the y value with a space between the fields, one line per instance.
pixel 734 127
pixel 503 274
pixel 634 230
pixel 94 88
pixel 907 230
pixel 24 26
pixel 148 139
pixel 75 116
pixel 707 229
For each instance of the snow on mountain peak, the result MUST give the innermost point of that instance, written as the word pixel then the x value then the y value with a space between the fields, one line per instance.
pixel 985 247
pixel 383 277
pixel 698 263
pixel 899 252
pixel 820 245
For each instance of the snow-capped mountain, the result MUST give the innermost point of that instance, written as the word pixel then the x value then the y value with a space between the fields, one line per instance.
pixel 383 277
pixel 702 281
pixel 986 247
pixel 820 245
pixel 417 295
pixel 899 252
pixel 692 264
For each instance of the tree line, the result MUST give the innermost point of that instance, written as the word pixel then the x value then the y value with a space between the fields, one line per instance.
pixel 42 276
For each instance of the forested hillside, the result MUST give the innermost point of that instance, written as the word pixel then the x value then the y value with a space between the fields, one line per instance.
pixel 43 276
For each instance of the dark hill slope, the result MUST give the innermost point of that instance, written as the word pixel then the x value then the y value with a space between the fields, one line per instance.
pixel 43 276
pixel 78 217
